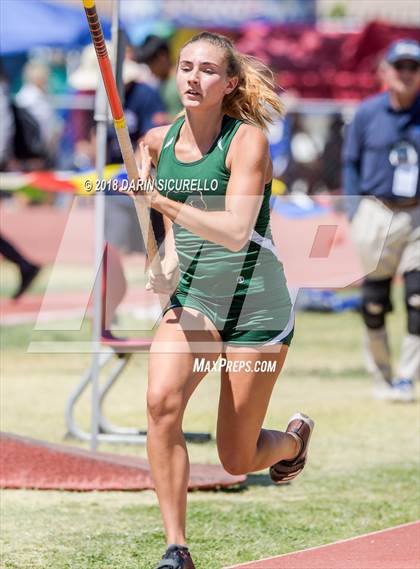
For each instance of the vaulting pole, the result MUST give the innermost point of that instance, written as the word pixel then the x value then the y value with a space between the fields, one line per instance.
pixel 142 209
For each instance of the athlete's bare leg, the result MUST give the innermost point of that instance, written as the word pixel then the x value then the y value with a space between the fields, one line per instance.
pixel 244 397
pixel 171 383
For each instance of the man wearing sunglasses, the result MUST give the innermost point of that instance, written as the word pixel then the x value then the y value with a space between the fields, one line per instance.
pixel 381 168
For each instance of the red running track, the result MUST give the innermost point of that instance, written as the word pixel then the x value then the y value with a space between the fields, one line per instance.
pixel 394 548
pixel 316 251
pixel 30 463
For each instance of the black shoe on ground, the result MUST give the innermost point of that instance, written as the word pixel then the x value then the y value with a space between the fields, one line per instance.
pixel 27 276
pixel 286 470
pixel 176 557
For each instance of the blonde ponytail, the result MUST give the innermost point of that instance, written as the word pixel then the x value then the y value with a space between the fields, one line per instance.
pixel 254 100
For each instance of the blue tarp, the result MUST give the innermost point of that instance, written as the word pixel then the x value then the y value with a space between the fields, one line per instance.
pixel 290 208
pixel 317 300
pixel 26 24
pixel 236 13
pixel 159 17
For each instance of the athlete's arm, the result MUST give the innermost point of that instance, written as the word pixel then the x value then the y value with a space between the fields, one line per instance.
pixel 170 250
pixel 352 153
pixel 249 165
pixel 167 281
pixel 154 140
pixel 232 227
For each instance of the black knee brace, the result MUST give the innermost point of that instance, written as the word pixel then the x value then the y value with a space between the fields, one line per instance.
pixel 412 301
pixel 376 302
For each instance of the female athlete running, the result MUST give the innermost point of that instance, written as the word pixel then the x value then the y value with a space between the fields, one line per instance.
pixel 228 291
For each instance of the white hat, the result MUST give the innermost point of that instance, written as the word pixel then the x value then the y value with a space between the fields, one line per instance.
pixel 86 76
pixel 132 72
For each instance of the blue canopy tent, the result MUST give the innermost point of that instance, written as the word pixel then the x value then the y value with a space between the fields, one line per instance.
pixel 26 24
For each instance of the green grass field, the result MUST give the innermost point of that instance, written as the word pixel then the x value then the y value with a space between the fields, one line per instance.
pixel 363 472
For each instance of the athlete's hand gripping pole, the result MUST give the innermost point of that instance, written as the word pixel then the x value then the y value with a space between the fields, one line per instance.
pixel 142 209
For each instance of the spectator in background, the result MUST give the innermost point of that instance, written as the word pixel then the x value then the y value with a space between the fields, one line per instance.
pixel 303 171
pixel 381 160
pixel 7 126
pixel 84 80
pixel 143 110
pixel 33 96
pixel 28 271
pixel 154 52
pixel 331 157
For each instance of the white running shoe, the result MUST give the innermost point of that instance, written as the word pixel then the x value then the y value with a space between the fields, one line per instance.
pixel 403 391
pixel 383 391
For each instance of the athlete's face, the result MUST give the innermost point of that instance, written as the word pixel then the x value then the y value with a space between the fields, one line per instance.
pixel 201 77
pixel 403 77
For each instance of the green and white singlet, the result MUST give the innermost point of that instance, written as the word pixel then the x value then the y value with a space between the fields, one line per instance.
pixel 244 293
